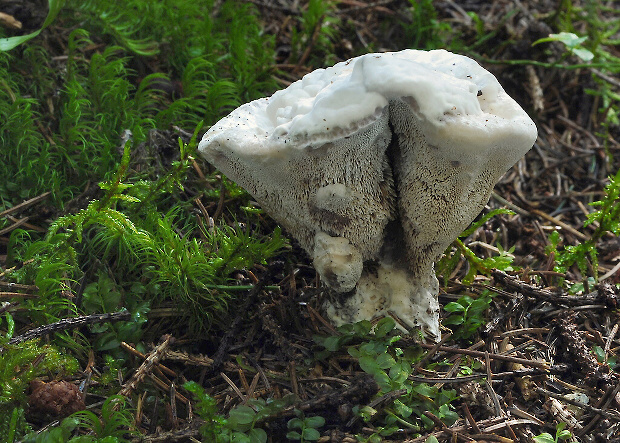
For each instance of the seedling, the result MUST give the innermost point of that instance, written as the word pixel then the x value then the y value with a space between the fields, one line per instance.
pixel 304 428
pixel 561 434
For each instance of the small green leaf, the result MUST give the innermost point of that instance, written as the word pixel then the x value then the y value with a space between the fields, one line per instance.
pixel 354 352
pixel 599 353
pixel 569 39
pixel 311 434
pixel 295 423
pixel 402 409
pixel 240 437
pixel 425 390
pixel 385 361
pixel 367 412
pixel 400 371
pixel 257 435
pixel 572 43
pixel 369 365
pixel 315 422
pixel 333 343
pixel 453 320
pixel 583 54
pixel 477 306
pixel 564 435
pixel 362 328
pixel 454 307
pixel 544 438
pixel 384 326
pixel 242 414
pixel 293 435
pixel 9 43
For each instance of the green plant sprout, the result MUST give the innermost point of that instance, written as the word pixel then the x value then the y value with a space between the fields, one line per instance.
pixel 378 355
pixel 604 358
pixel 426 31
pixel 585 254
pixel 561 434
pixel 318 31
pixel 112 426
pixel 572 42
pixel 241 426
pixel 304 428
pixel 458 249
pixel 467 314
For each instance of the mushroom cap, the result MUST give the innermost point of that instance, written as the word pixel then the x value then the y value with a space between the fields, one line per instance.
pixel 454 95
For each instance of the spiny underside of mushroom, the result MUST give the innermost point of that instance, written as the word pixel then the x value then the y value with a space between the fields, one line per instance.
pixel 375 166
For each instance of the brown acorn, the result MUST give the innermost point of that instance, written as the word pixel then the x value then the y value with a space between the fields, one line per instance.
pixel 56 399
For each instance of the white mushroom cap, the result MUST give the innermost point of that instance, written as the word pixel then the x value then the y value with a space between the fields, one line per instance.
pixel 383 158
pixel 337 100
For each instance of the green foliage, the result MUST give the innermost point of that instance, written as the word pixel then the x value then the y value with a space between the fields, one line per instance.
pixel 304 428
pixel 136 230
pixel 135 244
pixel 590 31
pixel 105 296
pixel 54 6
pixel 206 408
pixel 100 103
pixel 122 25
pixel 129 231
pixel 318 29
pixel 477 265
pixel 467 314
pixel 112 426
pixel 604 358
pixel 378 355
pixel 19 365
pixel 114 421
pixel 585 254
pixel 572 42
pixel 561 434
pixel 591 49
pixel 426 31
pixel 204 95
pixel 220 60
pixel 225 53
pixel 242 422
pixel 25 157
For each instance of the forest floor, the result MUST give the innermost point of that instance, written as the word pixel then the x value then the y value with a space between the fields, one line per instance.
pixel 543 349
pixel 565 335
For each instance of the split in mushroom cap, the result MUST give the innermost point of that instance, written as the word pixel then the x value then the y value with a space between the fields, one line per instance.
pixel 375 165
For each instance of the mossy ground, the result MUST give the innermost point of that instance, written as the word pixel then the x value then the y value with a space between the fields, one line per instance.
pixel 99 116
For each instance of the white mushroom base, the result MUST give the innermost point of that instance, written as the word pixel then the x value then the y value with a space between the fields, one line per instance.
pixel 394 292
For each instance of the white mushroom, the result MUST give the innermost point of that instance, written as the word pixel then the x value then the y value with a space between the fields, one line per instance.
pixel 375 165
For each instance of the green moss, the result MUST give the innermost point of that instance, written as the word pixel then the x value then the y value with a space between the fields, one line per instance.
pixel 19 365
